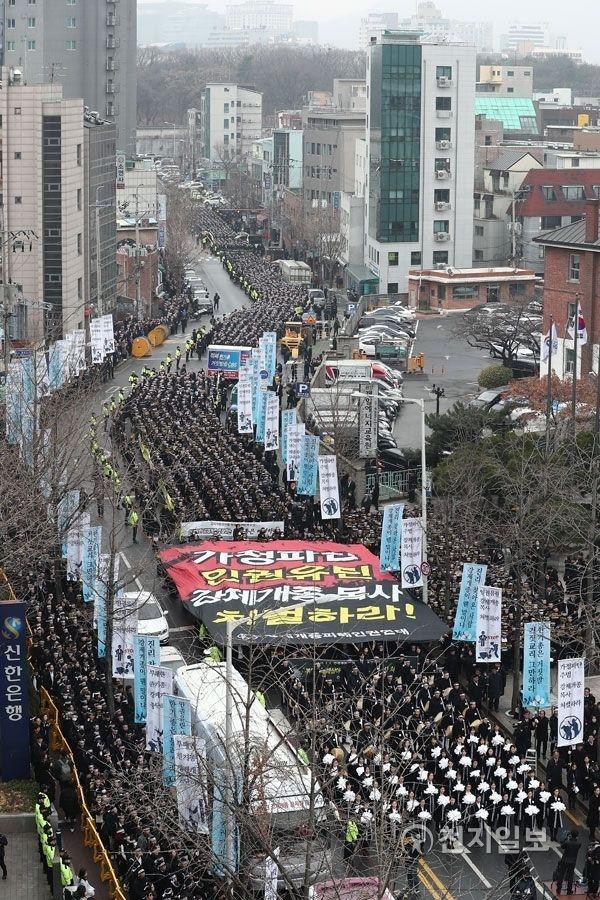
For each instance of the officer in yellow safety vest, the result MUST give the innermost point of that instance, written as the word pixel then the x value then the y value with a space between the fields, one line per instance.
pixel 113 404
pixel 120 395
pixel 133 521
pixel 67 875
pixel 214 654
pixel 169 363
pixel 133 379
pixel 106 415
pixel 350 838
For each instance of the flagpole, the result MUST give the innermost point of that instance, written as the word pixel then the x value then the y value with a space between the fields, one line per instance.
pixel 549 387
pixel 575 336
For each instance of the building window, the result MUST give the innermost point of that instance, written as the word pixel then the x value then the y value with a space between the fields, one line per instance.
pixel 574 163
pixel 573 191
pixel 479 230
pixel 11 46
pixel 443 134
pixel 517 289
pixel 392 258
pixel 18 200
pixel 478 255
pixel 17 110
pixel 392 287
pixel 70 45
pixel 31 45
pixel 442 165
pixel 31 21
pixel 510 73
pixel 443 72
pixel 440 257
pixel 415 258
pixel 79 244
pixel 11 23
pixel 569 361
pixel 574 266
pixel 17 154
pixel 465 291
pixel 510 90
pixel 549 222
pixel 78 156
pixel 80 288
pixel 441 226
pixel 71 22
pixel 443 103
pixel 442 195
pixel 79 198
pixel 548 192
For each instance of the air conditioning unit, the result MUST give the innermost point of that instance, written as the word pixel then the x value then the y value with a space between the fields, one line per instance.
pixel 443 81
pixel 442 174
pixel 442 205
pixel 442 236
pixel 440 267
pixel 443 145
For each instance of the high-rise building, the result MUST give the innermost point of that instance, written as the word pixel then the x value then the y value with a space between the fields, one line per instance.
pixel 88 47
pixel 374 23
pixel 100 230
pixel 535 34
pixel 263 14
pixel 430 22
pixel 231 119
pixel 420 151
pixel 43 180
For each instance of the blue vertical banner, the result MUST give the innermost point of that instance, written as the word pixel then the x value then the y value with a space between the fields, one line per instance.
pixel 14 700
pixel 465 622
pixel 92 545
pixel 289 417
pixel 536 664
pixel 261 417
pixel 309 465
pixel 146 652
pixel 270 353
pixel 255 381
pixel 218 829
pixel 391 536
pixel 177 719
pixel 14 401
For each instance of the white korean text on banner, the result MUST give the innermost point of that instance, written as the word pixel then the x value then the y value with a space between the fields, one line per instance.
pixel 190 783
pixel 368 421
pixel 411 553
pixel 79 351
pixel 146 653
pixel 268 359
pixel 536 664
pixel 125 622
pixel 75 545
pixel 329 489
pixel 391 535
pixel 244 406
pixel 100 599
pixel 92 544
pixel 211 530
pixel 465 621
pixel 260 419
pixel 488 645
pixel 289 417
pixel 272 422
pixel 308 465
pixel 97 340
pixel 177 719
pixel 570 687
pixel 295 433
pixel 159 684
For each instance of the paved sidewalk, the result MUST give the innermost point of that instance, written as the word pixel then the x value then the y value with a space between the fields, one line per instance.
pixel 26 879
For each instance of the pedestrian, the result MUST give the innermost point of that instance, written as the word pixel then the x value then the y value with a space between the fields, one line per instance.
pixel 542 731
pixel 496 685
pixel 565 870
pixel 3 846
pixel 81 880
pixel 133 521
pixel 593 816
pixel 177 358
pixel 69 803
pixel 216 299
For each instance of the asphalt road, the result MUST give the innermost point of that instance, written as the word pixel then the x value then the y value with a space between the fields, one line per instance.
pixel 449 363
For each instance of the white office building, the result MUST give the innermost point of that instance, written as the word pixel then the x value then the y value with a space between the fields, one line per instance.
pixel 420 152
pixel 231 120
pixel 275 18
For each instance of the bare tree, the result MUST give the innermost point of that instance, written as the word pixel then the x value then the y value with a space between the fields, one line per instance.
pixel 502 329
pixel 180 245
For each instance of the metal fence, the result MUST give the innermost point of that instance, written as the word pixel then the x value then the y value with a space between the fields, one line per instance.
pixel 391 484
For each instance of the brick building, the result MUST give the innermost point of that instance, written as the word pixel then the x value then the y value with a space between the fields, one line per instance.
pixel 450 288
pixel 572 274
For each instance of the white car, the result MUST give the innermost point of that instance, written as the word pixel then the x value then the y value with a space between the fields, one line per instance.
pixel 152 620
pixel 171 658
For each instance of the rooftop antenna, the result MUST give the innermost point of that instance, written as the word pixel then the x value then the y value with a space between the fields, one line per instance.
pixel 52 69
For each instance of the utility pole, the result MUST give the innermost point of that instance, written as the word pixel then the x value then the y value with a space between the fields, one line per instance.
pixel 138 272
pixel 7 293
pixel 438 392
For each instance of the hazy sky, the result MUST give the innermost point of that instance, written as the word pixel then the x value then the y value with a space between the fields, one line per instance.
pixel 578 20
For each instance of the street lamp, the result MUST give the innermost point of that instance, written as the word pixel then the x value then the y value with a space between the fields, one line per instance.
pixel 421 403
pixel 229 795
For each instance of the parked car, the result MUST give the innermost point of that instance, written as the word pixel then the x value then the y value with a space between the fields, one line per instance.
pixel 487 399
pixel 151 618
pixel 171 658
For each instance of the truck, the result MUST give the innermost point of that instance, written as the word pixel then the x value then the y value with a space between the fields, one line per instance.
pixel 280 789
pixel 294 272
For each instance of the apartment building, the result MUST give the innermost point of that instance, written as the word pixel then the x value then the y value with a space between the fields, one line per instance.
pixel 420 151
pixel 90 48
pixel 231 119
pixel 505 81
pixel 43 190
pixel 100 232
pixel 276 18
pixel 330 136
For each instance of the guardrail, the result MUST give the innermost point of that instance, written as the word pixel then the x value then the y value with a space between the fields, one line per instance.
pixel 91 838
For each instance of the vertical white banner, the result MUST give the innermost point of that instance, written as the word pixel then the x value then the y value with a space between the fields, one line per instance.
pixel 79 350
pixel 125 621
pixel 368 421
pixel 97 341
pixel 271 875
pixel 488 643
pixel 159 683
pixel 244 406
pixel 295 433
pixel 76 546
pixel 190 783
pixel 108 336
pixel 272 422
pixel 411 553
pixel 329 491
pixel 571 682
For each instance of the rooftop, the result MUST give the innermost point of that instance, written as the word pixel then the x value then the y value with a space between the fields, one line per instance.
pixel 515 113
pixel 498 273
pixel 508 158
pixel 568 236
pixel 540 202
